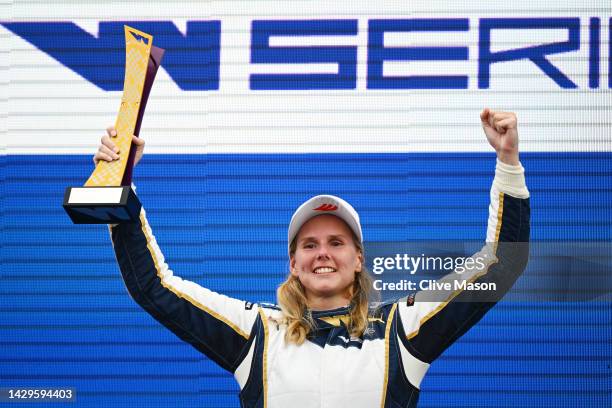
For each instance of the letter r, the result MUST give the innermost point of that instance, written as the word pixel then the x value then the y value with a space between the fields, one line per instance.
pixel 536 54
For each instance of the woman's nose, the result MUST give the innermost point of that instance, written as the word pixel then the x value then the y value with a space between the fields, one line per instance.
pixel 323 253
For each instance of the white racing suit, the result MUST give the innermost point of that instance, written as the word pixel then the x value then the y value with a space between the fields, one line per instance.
pixel 383 368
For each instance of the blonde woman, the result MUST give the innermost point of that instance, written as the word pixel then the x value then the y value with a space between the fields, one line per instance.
pixel 323 345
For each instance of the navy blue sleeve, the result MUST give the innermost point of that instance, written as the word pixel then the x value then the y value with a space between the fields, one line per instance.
pixel 216 325
pixel 429 326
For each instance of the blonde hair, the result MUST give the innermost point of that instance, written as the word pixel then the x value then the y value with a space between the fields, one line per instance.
pixel 296 315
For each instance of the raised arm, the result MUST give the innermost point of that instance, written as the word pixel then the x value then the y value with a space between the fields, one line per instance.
pixel 429 327
pixel 216 325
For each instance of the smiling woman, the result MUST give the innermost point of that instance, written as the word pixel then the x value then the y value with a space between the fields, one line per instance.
pixel 325 346
pixel 326 258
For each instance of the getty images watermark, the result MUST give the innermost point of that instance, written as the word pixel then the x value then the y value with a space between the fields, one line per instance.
pixel 435 270
pixel 470 271
pixel 411 265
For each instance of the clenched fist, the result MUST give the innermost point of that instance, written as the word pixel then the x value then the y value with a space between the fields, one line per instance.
pixel 501 131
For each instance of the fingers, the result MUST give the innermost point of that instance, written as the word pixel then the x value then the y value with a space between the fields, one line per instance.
pixel 110 152
pixel 487 117
pixel 500 121
pixel 102 156
pixel 106 141
pixel 107 151
pixel 503 125
pixel 503 121
pixel 492 117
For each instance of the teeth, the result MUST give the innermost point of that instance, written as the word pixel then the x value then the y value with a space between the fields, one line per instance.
pixel 324 270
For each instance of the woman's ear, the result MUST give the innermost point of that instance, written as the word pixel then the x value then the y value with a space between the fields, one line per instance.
pixel 292 265
pixel 359 262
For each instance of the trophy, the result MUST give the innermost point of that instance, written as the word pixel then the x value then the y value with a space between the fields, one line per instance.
pixel 107 196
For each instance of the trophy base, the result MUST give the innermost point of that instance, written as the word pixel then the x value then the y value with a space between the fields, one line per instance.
pixel 102 205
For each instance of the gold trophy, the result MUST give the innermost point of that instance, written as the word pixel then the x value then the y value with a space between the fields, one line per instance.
pixel 107 197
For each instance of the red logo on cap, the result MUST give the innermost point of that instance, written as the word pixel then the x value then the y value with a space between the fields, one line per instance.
pixel 326 207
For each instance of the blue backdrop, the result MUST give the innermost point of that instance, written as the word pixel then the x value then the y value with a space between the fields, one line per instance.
pixel 221 221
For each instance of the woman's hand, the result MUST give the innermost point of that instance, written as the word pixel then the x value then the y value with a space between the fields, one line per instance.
pixel 501 131
pixel 107 150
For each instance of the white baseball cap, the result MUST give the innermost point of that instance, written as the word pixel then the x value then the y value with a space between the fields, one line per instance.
pixel 324 204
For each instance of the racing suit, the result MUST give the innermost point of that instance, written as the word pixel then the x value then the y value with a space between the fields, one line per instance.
pixel 382 368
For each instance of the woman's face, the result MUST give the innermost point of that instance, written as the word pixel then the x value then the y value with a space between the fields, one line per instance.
pixel 325 261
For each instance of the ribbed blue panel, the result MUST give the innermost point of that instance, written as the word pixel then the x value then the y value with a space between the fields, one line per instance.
pixel 221 221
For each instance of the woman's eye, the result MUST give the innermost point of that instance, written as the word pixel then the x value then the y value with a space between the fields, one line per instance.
pixel 337 243
pixel 308 246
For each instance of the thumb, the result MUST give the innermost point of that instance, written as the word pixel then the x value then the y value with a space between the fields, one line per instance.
pixel 138 141
pixel 484 116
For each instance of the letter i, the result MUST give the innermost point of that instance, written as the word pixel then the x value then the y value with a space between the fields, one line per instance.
pixel 594 53
pixel 609 53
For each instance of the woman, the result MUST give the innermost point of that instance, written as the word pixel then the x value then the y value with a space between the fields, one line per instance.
pixel 323 346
